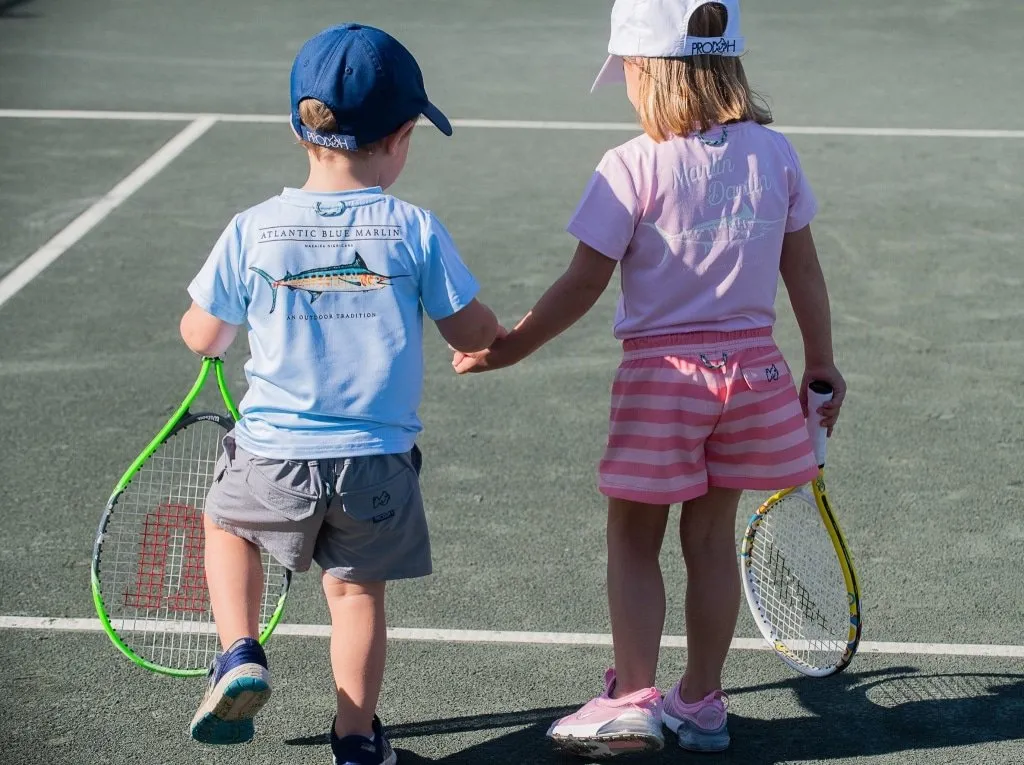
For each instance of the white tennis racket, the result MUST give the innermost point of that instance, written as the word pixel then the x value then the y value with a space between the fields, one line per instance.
pixel 797 571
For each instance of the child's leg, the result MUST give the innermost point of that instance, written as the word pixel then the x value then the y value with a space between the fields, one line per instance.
pixel 375 531
pixel 636 592
pixel 239 683
pixel 707 531
pixel 358 648
pixel 696 707
pixel 626 718
pixel 234 577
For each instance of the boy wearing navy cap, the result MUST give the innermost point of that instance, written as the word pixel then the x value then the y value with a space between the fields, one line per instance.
pixel 331 282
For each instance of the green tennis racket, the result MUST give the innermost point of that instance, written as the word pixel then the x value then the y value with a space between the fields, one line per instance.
pixel 148 575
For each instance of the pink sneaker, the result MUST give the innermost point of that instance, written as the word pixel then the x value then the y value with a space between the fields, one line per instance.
pixel 606 727
pixel 701 726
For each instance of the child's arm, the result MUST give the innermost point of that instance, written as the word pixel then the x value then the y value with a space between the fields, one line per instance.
pixel 205 334
pixel 565 303
pixel 473 328
pixel 808 295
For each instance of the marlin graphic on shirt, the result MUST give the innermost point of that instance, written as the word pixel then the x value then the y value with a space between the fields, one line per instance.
pixel 723 229
pixel 348 277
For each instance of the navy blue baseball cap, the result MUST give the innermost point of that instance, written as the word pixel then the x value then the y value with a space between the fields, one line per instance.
pixel 369 81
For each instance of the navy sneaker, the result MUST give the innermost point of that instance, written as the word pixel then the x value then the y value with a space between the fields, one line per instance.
pixel 239 687
pixel 359 750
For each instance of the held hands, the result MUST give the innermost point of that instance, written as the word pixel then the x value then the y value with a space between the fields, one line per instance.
pixel 495 357
pixel 830 410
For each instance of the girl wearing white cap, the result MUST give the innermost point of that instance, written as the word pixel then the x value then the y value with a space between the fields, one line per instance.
pixel 702 213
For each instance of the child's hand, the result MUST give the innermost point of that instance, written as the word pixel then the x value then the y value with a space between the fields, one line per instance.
pixel 465 363
pixel 497 356
pixel 830 410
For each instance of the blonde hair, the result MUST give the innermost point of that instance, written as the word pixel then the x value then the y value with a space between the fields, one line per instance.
pixel 315 115
pixel 683 96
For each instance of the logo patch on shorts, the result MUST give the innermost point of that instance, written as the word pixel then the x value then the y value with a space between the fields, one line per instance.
pixel 383 516
pixel 381 500
pixel 771 373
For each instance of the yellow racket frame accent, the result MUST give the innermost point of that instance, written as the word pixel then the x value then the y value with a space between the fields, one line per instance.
pixel 820 500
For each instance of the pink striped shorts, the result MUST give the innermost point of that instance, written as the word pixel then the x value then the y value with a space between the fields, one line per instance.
pixel 704 409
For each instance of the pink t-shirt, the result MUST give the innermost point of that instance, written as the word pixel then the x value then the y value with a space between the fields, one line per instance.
pixel 696 227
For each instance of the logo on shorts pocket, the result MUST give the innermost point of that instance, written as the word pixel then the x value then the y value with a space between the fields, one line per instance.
pixel 381 500
pixel 383 516
pixel 771 374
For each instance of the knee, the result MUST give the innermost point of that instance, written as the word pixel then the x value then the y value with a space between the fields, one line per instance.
pixel 709 522
pixel 707 543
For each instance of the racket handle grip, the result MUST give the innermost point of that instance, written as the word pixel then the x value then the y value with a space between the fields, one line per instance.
pixel 818 393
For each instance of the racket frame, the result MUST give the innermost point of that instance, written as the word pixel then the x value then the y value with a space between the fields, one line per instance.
pixel 816 495
pixel 181 419
pixel 818 393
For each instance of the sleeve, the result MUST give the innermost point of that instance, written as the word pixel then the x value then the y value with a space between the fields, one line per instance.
pixel 609 211
pixel 802 204
pixel 446 284
pixel 218 288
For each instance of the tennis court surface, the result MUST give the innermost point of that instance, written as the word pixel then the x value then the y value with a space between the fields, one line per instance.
pixel 131 132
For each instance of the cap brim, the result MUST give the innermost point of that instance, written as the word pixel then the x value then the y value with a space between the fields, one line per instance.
pixel 612 71
pixel 441 122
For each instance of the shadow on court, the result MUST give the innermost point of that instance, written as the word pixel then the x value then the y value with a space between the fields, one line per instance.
pixel 11 9
pixel 853 714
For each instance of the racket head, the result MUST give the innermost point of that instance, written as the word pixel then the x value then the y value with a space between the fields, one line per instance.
pixel 148 575
pixel 799 583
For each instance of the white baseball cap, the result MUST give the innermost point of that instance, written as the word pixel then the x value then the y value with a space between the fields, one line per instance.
pixel 658 29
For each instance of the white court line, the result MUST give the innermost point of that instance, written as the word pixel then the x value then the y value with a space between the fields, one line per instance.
pixel 28 269
pixel 64 114
pixel 529 638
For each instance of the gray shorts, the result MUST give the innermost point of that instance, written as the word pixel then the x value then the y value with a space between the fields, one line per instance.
pixel 360 518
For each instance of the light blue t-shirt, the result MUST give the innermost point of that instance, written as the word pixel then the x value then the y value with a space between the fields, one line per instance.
pixel 332 288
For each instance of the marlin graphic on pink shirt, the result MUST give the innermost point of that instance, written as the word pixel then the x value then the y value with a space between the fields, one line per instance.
pixel 744 225
pixel 348 277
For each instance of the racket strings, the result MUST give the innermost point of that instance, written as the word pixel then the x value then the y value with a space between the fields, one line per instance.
pixel 152 571
pixel 798 583
pixel 801 599
pixel 170 563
